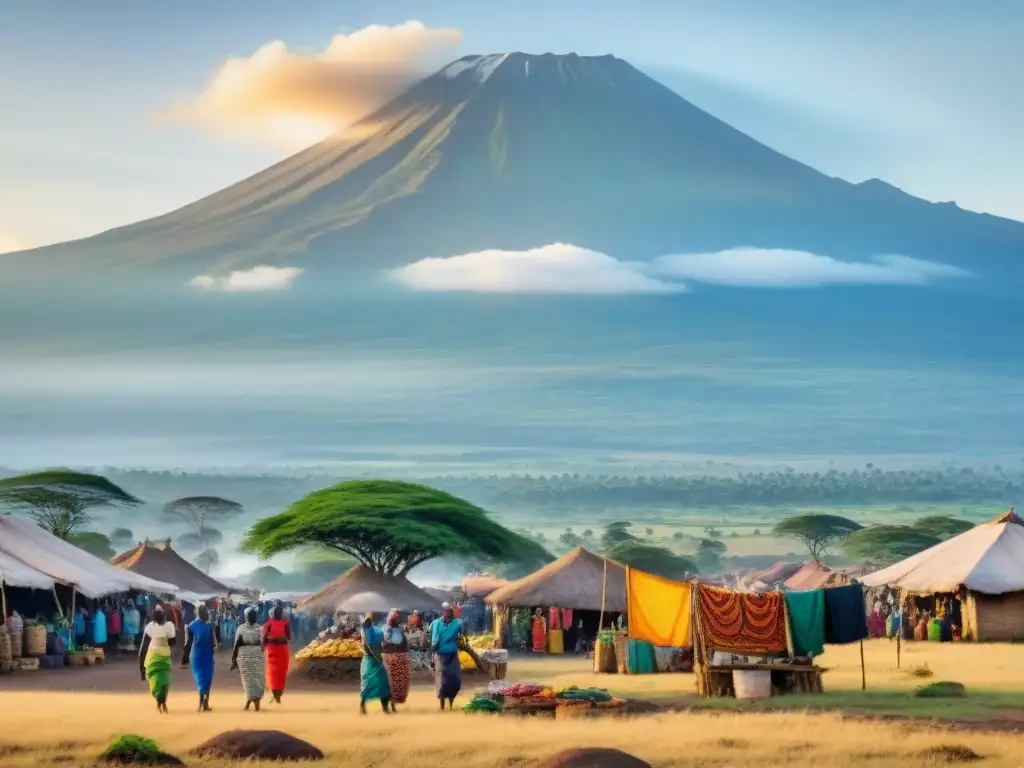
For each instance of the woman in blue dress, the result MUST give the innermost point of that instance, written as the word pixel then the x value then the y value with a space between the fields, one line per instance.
pixel 373 676
pixel 199 652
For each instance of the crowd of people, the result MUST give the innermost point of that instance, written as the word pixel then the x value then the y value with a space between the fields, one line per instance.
pixel 261 654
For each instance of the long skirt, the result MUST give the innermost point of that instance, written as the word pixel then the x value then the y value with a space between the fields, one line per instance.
pixel 277 665
pixel 447 675
pixel 202 671
pixel 399 669
pixel 373 679
pixel 539 636
pixel 252 669
pixel 158 673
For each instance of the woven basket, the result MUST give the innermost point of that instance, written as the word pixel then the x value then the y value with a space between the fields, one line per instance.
pixel 5 648
pixel 76 659
pixel 35 640
pixel 752 683
pixel 5 667
pixel 530 703
pixel 27 665
pixel 16 645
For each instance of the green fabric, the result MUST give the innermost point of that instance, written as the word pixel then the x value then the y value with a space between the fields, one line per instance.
pixel 642 659
pixel 807 621
pixel 158 672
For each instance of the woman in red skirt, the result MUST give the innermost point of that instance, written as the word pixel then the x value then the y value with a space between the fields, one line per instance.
pixel 277 633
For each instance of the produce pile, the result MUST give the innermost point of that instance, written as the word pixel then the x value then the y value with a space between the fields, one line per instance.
pixel 483 703
pixel 333 656
pixel 481 642
pixel 531 698
pixel 594 695
pixel 466 662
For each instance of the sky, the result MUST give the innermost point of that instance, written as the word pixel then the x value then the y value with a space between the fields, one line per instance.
pixel 117 111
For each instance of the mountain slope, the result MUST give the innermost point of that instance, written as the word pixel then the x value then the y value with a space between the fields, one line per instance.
pixel 515 151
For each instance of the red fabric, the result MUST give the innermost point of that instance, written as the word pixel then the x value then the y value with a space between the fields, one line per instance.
pixel 457 610
pixel 115 623
pixel 539 635
pixel 554 619
pixel 278 658
pixel 567 618
pixel 276 629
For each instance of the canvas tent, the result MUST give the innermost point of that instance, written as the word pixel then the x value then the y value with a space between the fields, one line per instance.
pixel 63 562
pixel 361 589
pixel 816 576
pixel 14 573
pixel 769 578
pixel 982 566
pixel 157 560
pixel 579 580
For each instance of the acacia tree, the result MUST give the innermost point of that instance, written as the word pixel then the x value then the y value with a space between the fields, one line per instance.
pixel 941 526
pixel 615 534
pixel 652 559
pixel 389 526
pixel 887 544
pixel 817 532
pixel 60 500
pixel 199 511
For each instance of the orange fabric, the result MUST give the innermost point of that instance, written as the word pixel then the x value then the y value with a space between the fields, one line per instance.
pixel 742 623
pixel 540 635
pixel 275 629
pixel 278 659
pixel 659 610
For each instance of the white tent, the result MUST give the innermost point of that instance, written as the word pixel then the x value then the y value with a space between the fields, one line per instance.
pixel 64 562
pixel 14 573
pixel 988 558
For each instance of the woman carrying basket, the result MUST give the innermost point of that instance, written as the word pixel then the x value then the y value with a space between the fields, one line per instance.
pixel 397 660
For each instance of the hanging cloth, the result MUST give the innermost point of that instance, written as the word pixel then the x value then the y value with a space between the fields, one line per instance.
pixel 846 618
pixel 741 623
pixel 567 618
pixel 807 621
pixel 659 610
pixel 554 619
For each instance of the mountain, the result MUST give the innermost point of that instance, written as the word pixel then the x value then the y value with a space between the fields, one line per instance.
pixel 516 151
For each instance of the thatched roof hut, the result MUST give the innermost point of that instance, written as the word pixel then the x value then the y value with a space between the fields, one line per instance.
pixel 575 581
pixel 479 587
pixel 361 589
pixel 157 560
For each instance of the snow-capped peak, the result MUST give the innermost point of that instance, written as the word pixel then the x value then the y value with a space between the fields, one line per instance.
pixel 482 67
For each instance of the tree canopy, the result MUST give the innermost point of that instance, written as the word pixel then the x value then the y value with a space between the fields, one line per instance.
pixel 615 534
pixel 652 559
pixel 389 526
pixel 941 526
pixel 59 500
pixel 886 544
pixel 817 532
pixel 96 544
pixel 198 511
pixel 122 537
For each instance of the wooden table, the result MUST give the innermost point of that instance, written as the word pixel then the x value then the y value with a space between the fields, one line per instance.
pixel 786 679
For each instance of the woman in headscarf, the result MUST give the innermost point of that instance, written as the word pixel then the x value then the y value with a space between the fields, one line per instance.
pixel 155 657
pixel 277 633
pixel 445 635
pixel 373 677
pixel 247 658
pixel 419 648
pixel 397 661
pixel 198 650
pixel 539 632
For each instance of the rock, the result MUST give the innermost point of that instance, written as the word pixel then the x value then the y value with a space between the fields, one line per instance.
pixel 951 753
pixel 593 757
pixel 261 745
pixel 941 690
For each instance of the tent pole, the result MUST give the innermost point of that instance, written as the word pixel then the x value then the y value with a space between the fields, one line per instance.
pixel 57 600
pixel 3 599
pixel 604 585
pixel 863 676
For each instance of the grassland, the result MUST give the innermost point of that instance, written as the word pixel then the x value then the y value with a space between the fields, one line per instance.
pixel 884 725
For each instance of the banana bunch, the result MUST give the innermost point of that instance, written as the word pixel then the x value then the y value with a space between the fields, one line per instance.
pixel 336 648
pixel 481 642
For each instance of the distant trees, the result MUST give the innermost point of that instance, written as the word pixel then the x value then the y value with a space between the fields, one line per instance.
pixel 652 559
pixel 816 532
pixel 198 512
pixel 122 537
pixel 61 500
pixel 886 544
pixel 569 539
pixel 207 559
pixel 940 526
pixel 615 534
pixel 96 544
pixel 709 554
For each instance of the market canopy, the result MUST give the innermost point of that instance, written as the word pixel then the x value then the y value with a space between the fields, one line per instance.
pixel 64 562
pixel 579 580
pixel 481 586
pixel 816 576
pixel 157 560
pixel 361 589
pixel 14 573
pixel 988 558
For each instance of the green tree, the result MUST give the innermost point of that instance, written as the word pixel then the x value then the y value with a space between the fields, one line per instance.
pixel 569 539
pixel 198 512
pixel 95 544
pixel 122 537
pixel 194 542
pixel 709 554
pixel 207 559
pixel 941 526
pixel 886 544
pixel 389 526
pixel 60 500
pixel 817 532
pixel 616 533
pixel 652 559
pixel 267 578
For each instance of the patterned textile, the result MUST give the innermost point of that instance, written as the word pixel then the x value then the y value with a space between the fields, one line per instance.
pixel 399 668
pixel 251 665
pixel 742 623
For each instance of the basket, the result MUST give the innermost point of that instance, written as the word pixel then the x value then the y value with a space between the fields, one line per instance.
pixel 610 704
pixel 5 648
pixel 35 640
pixel 494 670
pixel 98 655
pixel 570 709
pixel 752 684
pixel 530 704
pixel 76 659
pixel 16 645
pixel 27 665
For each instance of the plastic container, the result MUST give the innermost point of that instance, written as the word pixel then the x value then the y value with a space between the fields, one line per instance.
pixel 751 684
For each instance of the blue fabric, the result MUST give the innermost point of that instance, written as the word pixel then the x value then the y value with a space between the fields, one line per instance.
pixel 201 658
pixel 373 637
pixel 99 628
pixel 132 621
pixel 445 637
pixel 79 623
pixel 846 619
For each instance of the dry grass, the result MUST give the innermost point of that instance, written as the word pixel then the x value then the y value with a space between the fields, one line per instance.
pixel 47 728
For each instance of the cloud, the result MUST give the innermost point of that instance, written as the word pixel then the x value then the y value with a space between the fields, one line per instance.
pixel 255 280
pixel 294 99
pixel 778 268
pixel 555 268
pixel 565 268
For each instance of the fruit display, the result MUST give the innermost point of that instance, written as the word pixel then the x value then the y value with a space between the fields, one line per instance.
pixel 466 662
pixel 331 648
pixel 481 642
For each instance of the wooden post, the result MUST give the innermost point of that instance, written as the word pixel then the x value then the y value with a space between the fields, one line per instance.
pixel 863 675
pixel 899 638
pixel 604 587
pixel 3 599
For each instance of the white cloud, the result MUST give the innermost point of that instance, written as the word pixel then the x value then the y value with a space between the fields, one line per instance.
pixel 253 280
pixel 555 268
pixel 777 268
pixel 293 99
pixel 565 268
